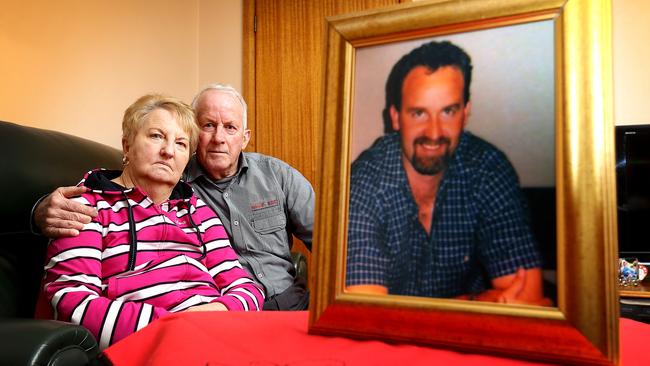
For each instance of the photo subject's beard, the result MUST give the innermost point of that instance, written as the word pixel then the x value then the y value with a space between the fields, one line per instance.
pixel 430 165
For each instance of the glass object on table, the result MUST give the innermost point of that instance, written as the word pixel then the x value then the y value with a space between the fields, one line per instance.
pixel 628 271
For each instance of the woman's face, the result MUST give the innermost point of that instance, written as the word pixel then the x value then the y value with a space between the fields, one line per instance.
pixel 159 151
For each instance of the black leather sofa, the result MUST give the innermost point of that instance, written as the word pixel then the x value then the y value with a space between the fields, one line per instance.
pixel 34 162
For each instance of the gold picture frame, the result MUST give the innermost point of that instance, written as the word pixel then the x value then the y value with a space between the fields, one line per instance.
pixel 583 328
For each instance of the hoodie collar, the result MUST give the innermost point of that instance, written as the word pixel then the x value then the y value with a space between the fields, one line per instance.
pixel 100 181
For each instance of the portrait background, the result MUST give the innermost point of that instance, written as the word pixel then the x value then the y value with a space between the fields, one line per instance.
pixel 512 93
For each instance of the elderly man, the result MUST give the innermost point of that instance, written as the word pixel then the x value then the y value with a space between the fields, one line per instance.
pixel 434 210
pixel 261 200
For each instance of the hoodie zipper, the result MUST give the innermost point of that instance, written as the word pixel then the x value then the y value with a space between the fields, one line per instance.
pixel 133 238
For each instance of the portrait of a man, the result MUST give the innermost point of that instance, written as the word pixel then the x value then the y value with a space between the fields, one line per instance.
pixel 435 210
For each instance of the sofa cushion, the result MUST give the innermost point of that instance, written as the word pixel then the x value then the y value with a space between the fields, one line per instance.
pixel 35 162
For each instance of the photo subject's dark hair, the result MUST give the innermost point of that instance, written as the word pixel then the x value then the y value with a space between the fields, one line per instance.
pixel 432 55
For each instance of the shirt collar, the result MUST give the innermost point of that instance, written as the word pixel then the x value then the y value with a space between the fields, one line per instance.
pixel 395 166
pixel 457 163
pixel 194 170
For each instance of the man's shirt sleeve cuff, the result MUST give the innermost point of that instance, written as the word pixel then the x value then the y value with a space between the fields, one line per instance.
pixel 32 224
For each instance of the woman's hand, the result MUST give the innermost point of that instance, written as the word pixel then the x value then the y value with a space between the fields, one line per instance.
pixel 213 306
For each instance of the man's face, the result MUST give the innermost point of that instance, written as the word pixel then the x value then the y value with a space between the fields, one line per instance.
pixel 222 137
pixel 432 117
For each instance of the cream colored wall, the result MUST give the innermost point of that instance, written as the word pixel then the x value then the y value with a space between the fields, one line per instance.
pixel 631 61
pixel 74 65
pixel 220 42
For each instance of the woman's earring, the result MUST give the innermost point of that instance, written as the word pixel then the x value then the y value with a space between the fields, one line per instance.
pixel 125 161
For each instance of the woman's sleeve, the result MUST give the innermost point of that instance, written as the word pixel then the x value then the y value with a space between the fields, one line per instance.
pixel 73 286
pixel 238 290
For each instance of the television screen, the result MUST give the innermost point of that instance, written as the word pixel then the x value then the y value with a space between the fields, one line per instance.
pixel 633 190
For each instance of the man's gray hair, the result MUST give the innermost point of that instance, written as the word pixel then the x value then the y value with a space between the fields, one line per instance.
pixel 224 88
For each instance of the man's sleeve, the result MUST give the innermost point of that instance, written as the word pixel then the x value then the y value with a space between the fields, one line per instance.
pixel 506 238
pixel 300 199
pixel 32 224
pixel 367 263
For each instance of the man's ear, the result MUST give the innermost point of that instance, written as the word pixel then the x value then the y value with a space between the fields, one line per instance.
pixel 466 112
pixel 394 118
pixel 247 137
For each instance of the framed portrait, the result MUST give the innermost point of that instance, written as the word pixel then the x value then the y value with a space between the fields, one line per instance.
pixel 541 92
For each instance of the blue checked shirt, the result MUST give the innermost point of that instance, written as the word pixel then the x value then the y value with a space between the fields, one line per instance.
pixel 480 227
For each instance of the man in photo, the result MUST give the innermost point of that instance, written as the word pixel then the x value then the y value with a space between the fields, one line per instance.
pixel 434 210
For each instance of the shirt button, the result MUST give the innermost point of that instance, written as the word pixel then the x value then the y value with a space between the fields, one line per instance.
pixel 236 223
pixel 225 195
pixel 260 275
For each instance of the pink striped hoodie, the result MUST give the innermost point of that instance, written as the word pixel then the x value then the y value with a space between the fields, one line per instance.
pixel 138 261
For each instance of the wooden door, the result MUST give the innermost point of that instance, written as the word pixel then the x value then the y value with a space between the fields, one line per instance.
pixel 284 67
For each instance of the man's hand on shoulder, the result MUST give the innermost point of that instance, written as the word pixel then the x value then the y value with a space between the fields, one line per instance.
pixel 58 216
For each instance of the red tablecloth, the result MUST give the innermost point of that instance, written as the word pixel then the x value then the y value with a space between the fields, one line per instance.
pixel 280 338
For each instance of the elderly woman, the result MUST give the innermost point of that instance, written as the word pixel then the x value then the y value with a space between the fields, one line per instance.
pixel 154 248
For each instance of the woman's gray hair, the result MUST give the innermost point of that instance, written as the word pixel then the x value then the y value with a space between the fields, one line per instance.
pixel 225 88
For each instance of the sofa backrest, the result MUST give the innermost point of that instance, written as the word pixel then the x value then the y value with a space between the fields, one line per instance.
pixel 34 163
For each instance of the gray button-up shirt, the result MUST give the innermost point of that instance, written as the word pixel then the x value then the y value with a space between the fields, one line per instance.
pixel 261 206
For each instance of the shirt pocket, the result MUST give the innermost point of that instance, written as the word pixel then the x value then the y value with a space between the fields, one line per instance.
pixel 269 220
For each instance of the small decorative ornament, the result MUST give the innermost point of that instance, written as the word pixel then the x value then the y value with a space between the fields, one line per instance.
pixel 628 271
pixel 643 271
pixel 125 161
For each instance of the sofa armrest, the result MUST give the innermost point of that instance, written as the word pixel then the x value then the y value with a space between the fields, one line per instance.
pixel 45 342
pixel 300 265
